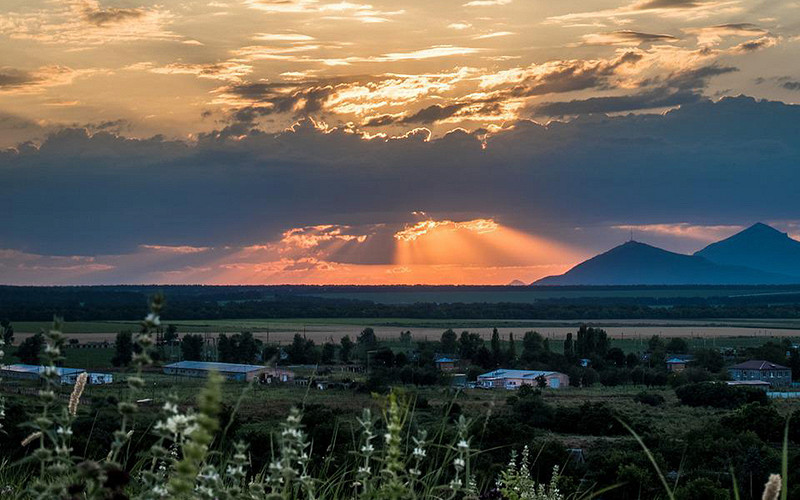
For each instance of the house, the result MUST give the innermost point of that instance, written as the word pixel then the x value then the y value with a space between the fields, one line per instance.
pixel 678 363
pixel 514 379
pixel 756 369
pixel 67 376
pixel 445 363
pixel 231 371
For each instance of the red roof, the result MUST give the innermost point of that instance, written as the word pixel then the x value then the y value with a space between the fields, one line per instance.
pixel 758 364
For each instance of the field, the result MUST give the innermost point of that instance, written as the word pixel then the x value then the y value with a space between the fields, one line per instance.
pixel 629 333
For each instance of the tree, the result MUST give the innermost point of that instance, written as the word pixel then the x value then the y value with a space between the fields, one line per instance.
pixel 302 351
pixel 192 347
pixel 245 347
pixel 367 338
pixel 468 344
pixel 328 353
pixel 123 349
pixel 616 356
pixel 497 353
pixel 30 348
pixel 225 349
pixel 171 334
pixel 569 348
pixel 532 348
pixel 448 342
pixel 710 359
pixel 405 337
pixel 511 354
pixel 8 331
pixel 677 345
pixel 346 350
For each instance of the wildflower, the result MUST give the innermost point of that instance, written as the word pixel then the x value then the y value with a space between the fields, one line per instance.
pixel 77 391
pixel 772 489
pixel 152 319
pixel 31 438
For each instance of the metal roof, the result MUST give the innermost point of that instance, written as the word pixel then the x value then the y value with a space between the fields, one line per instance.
pixel 220 367
pixel 502 373
pixel 20 368
pixel 758 364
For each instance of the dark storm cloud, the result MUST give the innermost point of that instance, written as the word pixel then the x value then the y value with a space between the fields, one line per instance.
pixel 678 88
pixel 657 98
pixel 667 4
pixel 84 194
pixel 791 85
pixel 99 16
pixel 573 76
pixel 626 37
pixel 11 78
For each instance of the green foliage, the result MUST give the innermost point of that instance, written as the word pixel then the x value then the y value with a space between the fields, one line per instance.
pixel 346 349
pixel 238 348
pixel 123 349
pixel 30 349
pixel 192 347
pixel 719 395
pixel 649 398
pixel 448 342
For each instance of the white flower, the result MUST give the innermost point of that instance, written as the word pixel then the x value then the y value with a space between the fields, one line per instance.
pixel 463 446
pixel 419 453
pixel 152 319
pixel 459 463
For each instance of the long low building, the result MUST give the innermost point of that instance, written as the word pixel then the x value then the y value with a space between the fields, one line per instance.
pixel 514 379
pixel 67 376
pixel 231 371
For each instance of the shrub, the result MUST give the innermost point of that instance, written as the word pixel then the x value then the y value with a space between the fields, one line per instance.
pixel 649 398
pixel 719 395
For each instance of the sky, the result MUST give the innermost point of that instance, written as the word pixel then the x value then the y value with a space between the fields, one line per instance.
pixel 315 141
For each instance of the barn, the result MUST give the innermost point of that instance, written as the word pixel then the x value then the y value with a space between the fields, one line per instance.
pixel 231 371
pixel 67 376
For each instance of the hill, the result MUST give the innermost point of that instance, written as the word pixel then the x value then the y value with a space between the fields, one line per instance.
pixel 758 247
pixel 635 263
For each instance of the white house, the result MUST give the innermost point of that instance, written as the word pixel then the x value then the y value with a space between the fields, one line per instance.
pixel 514 379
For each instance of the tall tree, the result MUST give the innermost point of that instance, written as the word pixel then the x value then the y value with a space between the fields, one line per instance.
pixel 569 347
pixel 511 354
pixel 170 334
pixel 405 337
pixel 346 349
pixel 123 349
pixel 468 344
pixel 225 349
pixel 448 342
pixel 497 353
pixel 328 353
pixel 192 347
pixel 532 348
pixel 367 338
pixel 30 348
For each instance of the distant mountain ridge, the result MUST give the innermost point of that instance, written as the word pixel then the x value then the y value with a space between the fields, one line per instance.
pixel 635 263
pixel 759 247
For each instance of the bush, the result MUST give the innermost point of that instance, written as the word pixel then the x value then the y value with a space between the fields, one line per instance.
pixel 649 398
pixel 719 395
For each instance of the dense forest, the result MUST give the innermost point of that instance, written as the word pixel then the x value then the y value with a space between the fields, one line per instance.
pixel 230 302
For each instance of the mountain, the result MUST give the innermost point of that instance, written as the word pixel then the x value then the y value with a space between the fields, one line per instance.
pixel 516 283
pixel 635 263
pixel 759 247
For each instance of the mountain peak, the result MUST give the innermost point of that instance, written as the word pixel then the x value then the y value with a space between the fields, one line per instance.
pixel 761 228
pixel 760 246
